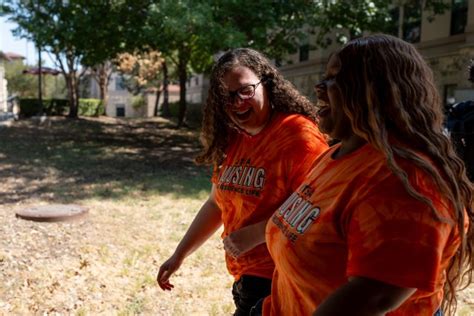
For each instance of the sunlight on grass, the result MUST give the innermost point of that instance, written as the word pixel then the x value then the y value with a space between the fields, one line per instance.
pixel 141 197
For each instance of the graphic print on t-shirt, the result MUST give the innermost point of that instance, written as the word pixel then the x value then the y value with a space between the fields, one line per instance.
pixel 243 178
pixel 297 214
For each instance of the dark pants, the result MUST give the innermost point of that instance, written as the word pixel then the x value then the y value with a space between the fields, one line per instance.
pixel 247 291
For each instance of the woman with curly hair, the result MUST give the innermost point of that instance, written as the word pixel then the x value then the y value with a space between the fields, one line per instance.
pixel 260 136
pixel 382 225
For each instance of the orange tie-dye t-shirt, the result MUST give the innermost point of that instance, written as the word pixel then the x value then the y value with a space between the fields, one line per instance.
pixel 258 174
pixel 353 217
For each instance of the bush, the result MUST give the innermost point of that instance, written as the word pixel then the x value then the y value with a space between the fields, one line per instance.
pixel 138 102
pixel 90 107
pixel 58 107
pixel 31 107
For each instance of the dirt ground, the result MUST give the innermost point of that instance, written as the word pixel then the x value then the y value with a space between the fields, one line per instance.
pixel 138 181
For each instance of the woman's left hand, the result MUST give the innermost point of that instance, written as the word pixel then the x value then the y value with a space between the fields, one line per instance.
pixel 242 240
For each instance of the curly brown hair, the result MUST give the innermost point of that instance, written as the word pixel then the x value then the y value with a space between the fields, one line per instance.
pixel 217 128
pixel 390 96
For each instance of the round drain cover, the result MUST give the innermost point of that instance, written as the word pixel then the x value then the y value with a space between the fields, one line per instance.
pixel 52 213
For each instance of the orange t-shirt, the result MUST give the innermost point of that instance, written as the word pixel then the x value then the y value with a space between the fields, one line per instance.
pixel 258 174
pixel 353 217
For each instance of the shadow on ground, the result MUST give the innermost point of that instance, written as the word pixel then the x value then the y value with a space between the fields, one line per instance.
pixel 68 160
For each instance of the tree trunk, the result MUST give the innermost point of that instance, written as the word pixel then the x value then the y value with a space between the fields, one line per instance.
pixel 183 77
pixel 72 89
pixel 101 74
pixel 165 107
pixel 157 101
pixel 40 84
pixel 103 83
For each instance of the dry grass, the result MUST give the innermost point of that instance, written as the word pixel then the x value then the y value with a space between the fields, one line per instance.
pixel 142 190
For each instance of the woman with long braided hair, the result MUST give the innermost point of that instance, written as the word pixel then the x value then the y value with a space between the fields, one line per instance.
pixel 382 225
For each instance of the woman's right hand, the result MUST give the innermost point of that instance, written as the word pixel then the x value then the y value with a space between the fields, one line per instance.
pixel 166 270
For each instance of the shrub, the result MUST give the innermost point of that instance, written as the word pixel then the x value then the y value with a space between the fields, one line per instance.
pixel 57 107
pixel 90 107
pixel 30 107
pixel 138 102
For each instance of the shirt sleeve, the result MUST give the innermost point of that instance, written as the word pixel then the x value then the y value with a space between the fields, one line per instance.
pixel 307 143
pixel 394 238
pixel 215 174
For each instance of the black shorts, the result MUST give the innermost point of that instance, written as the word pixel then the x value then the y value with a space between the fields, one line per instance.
pixel 247 291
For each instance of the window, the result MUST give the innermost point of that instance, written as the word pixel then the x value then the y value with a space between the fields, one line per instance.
pixel 120 110
pixel 196 81
pixel 412 22
pixel 304 52
pixel 458 16
pixel 119 84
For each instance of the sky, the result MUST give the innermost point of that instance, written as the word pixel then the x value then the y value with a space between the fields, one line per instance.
pixel 11 44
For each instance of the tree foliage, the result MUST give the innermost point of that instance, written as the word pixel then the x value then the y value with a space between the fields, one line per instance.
pixel 190 33
pixel 26 85
pixel 77 32
pixel 140 70
pixel 350 18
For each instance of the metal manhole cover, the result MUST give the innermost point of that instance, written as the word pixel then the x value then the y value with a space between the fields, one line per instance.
pixel 52 213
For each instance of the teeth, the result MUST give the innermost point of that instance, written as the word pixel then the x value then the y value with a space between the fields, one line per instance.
pixel 242 112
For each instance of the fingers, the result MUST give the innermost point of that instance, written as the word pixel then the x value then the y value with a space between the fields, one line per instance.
pixel 163 278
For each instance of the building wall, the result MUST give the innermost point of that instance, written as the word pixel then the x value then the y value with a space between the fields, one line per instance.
pixel 448 56
pixel 122 102
pixel 196 89
pixel 3 88
pixel 173 96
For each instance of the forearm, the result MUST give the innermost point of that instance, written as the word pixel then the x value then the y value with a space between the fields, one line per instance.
pixel 257 230
pixel 205 224
pixel 364 297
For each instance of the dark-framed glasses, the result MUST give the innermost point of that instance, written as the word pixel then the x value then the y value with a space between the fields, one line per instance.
pixel 245 92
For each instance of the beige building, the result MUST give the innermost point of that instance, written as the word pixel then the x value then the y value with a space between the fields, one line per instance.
pixel 447 43
pixel 196 89
pixel 5 106
pixel 3 84
pixel 122 103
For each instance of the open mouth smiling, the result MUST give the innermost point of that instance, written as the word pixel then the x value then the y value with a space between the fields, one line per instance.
pixel 243 114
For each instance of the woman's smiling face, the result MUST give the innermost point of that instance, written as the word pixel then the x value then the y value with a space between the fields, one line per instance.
pixel 332 119
pixel 252 114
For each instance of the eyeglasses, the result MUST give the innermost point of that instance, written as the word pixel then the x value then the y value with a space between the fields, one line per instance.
pixel 244 93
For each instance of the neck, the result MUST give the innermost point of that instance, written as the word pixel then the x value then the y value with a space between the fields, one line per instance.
pixel 349 145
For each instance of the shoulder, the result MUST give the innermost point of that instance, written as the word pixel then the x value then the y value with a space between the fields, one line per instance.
pixel 296 126
pixel 296 120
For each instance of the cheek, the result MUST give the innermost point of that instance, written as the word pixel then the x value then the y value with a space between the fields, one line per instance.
pixel 334 95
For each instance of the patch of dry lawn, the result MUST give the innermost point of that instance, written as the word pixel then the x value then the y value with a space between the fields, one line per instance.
pixel 142 190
